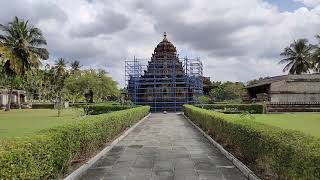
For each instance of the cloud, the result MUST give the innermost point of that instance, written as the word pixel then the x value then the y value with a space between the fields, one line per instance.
pixel 236 40
pixel 31 10
pixel 106 23
pixel 310 3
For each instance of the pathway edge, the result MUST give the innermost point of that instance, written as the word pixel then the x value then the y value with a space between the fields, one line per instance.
pixel 243 168
pixel 83 168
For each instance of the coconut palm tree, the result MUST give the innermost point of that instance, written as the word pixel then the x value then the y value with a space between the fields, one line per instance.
pixel 60 75
pixel 298 57
pixel 75 66
pixel 23 42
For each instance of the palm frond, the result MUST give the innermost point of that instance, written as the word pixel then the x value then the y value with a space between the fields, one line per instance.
pixel 42 53
pixel 38 41
pixel 286 60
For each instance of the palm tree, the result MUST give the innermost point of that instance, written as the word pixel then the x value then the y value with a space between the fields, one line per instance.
pixel 59 81
pixel 298 57
pixel 23 42
pixel 75 66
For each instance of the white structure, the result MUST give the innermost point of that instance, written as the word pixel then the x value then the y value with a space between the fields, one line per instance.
pixel 18 97
pixel 288 89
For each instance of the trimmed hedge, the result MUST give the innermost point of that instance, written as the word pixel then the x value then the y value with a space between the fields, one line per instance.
pixel 272 152
pixel 103 108
pixel 79 105
pixel 251 108
pixel 50 154
pixel 43 106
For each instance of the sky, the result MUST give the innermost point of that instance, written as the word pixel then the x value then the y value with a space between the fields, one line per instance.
pixel 236 40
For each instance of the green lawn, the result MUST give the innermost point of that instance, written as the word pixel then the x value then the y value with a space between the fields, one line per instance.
pixel 306 122
pixel 18 123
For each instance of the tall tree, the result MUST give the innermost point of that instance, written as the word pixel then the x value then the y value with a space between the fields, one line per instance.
pixel 316 56
pixel 298 57
pixel 75 66
pixel 60 75
pixel 23 43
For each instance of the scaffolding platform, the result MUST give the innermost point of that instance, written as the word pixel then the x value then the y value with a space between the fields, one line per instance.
pixel 166 83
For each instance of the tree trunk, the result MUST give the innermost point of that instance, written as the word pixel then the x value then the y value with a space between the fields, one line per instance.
pixel 10 95
pixel 59 103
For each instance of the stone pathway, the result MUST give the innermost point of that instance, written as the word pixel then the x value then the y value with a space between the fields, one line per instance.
pixel 167 147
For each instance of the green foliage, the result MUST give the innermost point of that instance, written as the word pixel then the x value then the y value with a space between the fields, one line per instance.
pixel 298 57
pixel 246 115
pixel 98 81
pixel 21 49
pixel 226 91
pixel 104 108
pixel 268 150
pixel 43 106
pixel 50 154
pixel 23 42
pixel 251 108
pixel 203 100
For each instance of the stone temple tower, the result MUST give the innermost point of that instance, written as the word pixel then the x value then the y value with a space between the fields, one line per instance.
pixel 164 84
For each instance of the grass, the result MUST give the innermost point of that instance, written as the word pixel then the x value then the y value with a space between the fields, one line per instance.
pixel 24 122
pixel 308 123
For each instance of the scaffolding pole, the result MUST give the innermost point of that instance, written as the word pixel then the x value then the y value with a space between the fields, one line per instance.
pixel 164 86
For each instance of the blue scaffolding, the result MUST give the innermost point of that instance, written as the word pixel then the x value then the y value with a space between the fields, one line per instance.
pixel 164 89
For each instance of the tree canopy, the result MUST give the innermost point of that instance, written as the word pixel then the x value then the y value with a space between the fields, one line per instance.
pixel 21 50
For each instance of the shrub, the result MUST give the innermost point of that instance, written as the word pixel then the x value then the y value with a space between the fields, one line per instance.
pixel 50 153
pixel 79 104
pixel 103 108
pixel 203 100
pixel 252 108
pixel 268 150
pixel 43 106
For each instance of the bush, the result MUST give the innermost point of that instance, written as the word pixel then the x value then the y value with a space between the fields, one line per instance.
pixel 103 108
pixel 43 106
pixel 50 153
pixel 203 100
pixel 79 104
pixel 252 108
pixel 268 150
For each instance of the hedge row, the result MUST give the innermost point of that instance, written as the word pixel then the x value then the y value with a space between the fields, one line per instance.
pixel 43 106
pixel 50 154
pixel 251 108
pixel 273 153
pixel 104 108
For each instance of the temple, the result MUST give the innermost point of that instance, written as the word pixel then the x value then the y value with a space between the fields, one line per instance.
pixel 166 82
pixel 287 93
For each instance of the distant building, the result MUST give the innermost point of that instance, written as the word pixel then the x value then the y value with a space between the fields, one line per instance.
pixel 303 89
pixel 292 92
pixel 18 97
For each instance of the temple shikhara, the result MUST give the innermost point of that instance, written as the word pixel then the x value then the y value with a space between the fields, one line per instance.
pixel 165 82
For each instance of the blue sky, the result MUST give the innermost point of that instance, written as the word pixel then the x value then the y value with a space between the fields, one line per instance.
pixel 286 5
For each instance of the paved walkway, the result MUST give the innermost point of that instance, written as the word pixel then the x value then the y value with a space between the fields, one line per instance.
pixel 167 147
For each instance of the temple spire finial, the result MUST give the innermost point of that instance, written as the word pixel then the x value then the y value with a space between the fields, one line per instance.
pixel 165 35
